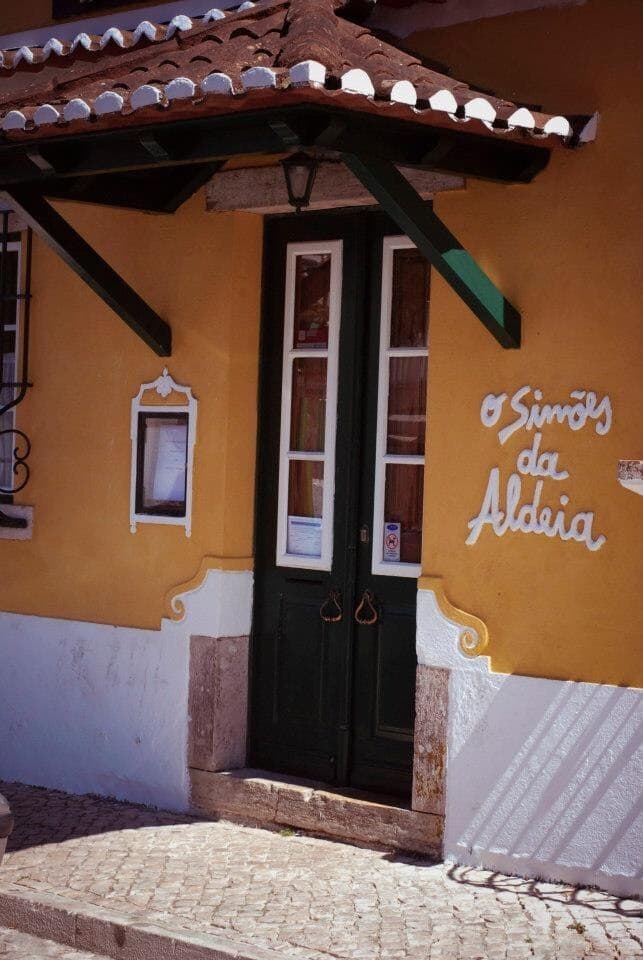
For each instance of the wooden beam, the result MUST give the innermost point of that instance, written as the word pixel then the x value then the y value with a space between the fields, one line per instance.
pixel 189 181
pixel 215 139
pixel 154 191
pixel 91 267
pixel 263 189
pixel 404 205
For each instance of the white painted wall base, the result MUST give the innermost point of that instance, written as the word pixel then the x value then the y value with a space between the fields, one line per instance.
pixel 90 708
pixel 544 777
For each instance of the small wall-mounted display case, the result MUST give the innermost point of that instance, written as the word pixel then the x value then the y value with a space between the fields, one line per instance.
pixel 163 432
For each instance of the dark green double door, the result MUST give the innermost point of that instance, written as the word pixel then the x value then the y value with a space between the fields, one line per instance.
pixel 339 501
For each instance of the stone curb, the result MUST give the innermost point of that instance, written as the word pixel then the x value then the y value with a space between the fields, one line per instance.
pixel 112 934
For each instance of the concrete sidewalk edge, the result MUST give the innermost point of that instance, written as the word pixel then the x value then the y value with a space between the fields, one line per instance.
pixel 112 934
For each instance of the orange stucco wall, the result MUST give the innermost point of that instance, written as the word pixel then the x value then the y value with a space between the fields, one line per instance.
pixel 566 250
pixel 202 273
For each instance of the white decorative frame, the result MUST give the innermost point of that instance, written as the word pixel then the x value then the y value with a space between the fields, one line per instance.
pixel 164 386
pixel 331 354
pixel 380 567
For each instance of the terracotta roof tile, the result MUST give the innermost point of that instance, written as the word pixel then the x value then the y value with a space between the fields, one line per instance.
pixel 214 64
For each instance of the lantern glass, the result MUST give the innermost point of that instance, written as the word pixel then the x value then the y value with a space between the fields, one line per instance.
pixel 299 171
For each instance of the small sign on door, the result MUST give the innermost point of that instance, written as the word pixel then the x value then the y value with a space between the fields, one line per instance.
pixel 392 535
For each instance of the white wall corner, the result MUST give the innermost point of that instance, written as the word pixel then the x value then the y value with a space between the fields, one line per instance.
pixel 545 779
pixel 440 639
pixel 17 533
pixel 221 606
pixel 93 708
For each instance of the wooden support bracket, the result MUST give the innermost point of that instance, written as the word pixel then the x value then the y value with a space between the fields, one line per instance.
pixel 404 205
pixel 90 266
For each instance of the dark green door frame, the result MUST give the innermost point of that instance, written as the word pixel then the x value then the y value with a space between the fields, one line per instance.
pixel 319 689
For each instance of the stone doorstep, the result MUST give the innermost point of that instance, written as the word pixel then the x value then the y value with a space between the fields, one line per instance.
pixel 112 934
pixel 267 799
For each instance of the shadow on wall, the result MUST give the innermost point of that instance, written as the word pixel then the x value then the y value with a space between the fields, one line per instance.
pixel 545 779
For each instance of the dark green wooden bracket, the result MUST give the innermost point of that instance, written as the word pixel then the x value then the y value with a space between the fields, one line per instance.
pixel 90 266
pixel 405 206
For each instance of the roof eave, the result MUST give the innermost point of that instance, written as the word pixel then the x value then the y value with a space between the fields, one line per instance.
pixel 309 121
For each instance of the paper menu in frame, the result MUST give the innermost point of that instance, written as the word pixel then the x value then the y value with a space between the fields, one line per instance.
pixel 165 462
pixel 169 476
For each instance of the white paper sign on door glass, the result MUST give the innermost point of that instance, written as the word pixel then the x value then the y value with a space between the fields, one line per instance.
pixel 392 540
pixel 305 536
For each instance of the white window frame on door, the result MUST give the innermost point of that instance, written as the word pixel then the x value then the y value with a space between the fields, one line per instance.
pixel 284 559
pixel 381 567
pixel 14 245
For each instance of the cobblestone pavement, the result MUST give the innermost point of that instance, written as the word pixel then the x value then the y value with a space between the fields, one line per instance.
pixel 305 898
pixel 20 946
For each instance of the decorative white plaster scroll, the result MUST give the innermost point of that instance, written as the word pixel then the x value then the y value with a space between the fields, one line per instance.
pixel 164 386
pixel 582 409
pixel 447 636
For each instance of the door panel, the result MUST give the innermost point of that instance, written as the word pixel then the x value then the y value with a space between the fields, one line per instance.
pixel 384 701
pixel 331 699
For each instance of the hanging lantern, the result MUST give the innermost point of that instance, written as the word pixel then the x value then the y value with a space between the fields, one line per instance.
pixel 300 171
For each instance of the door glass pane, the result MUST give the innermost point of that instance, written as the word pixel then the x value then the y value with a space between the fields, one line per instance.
pixel 410 296
pixel 406 405
pixel 403 513
pixel 312 301
pixel 308 418
pixel 305 508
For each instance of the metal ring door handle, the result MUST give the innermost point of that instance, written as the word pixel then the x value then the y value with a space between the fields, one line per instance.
pixel 333 600
pixel 366 613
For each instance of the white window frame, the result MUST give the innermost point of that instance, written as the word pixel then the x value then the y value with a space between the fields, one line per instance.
pixel 164 386
pixel 331 355
pixel 381 567
pixel 5 481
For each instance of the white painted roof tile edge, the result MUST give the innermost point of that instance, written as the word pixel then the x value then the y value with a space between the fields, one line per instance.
pixel 10 57
pixel 354 81
pixel 128 20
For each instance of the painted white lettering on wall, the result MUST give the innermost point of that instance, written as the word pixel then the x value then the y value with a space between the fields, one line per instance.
pixel 584 407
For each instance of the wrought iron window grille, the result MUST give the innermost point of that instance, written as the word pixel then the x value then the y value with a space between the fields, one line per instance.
pixel 15 297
